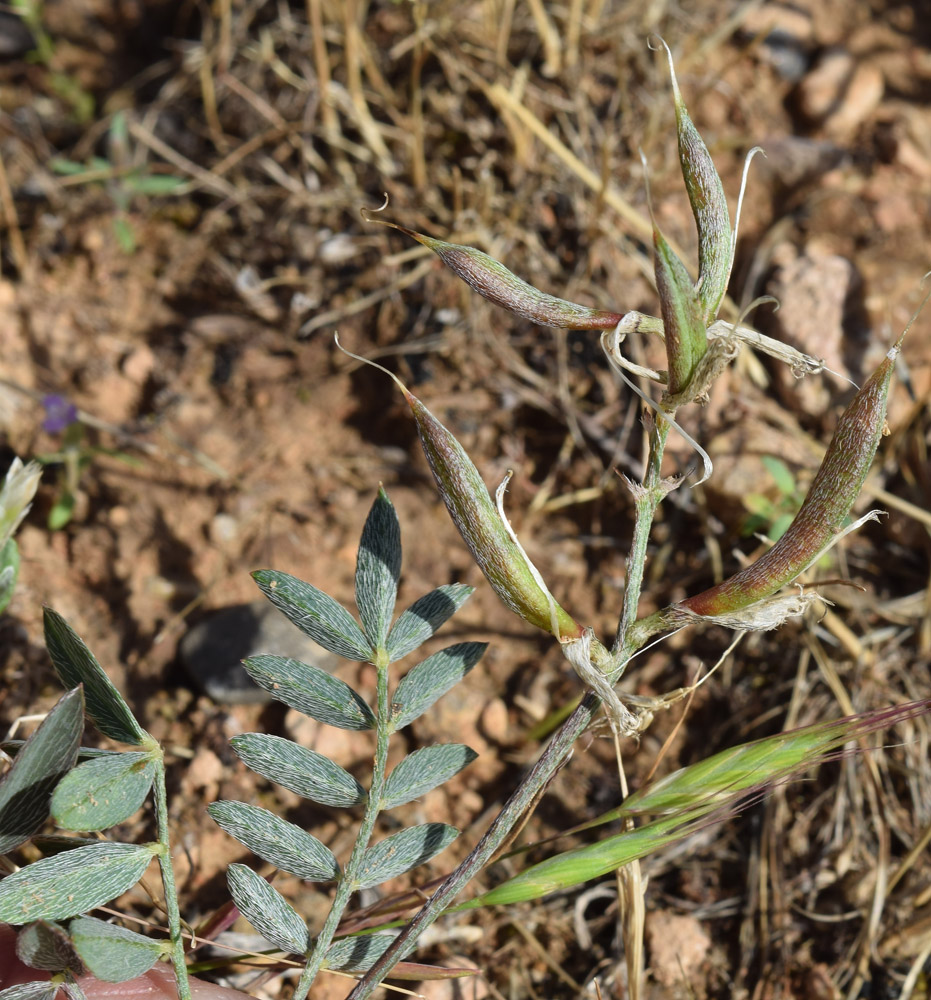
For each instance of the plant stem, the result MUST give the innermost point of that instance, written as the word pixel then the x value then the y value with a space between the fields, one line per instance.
pixel 168 881
pixel 648 497
pixel 347 883
pixel 521 799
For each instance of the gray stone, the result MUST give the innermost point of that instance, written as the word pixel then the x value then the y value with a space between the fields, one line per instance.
pixel 213 649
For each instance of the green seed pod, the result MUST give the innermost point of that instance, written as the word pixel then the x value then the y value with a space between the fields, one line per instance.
pixel 492 280
pixel 820 519
pixel 483 525
pixel 485 530
pixel 686 337
pixel 709 206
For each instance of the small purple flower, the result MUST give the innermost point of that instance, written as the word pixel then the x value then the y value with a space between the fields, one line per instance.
pixel 59 413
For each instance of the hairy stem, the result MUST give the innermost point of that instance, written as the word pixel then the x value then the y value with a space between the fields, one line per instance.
pixel 647 497
pixel 347 883
pixel 168 882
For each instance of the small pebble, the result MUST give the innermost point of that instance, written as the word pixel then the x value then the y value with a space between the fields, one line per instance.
pixel 338 249
pixel 139 364
pixel 223 528
pixel 15 38
pixel 678 946
pixel 119 516
pixel 212 650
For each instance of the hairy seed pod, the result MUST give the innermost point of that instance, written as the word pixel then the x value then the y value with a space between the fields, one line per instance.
pixel 493 281
pixel 686 337
pixel 820 518
pixel 709 206
pixel 493 546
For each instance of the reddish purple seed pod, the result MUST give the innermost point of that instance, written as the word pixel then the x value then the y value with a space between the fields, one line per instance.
pixel 821 517
pixel 493 281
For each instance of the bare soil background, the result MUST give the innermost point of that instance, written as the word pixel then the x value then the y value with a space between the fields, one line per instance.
pixel 194 332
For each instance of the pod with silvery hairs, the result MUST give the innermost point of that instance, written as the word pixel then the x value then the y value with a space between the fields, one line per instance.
pixel 741 600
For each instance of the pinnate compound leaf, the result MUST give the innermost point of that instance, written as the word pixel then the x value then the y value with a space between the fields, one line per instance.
pixel 316 614
pixel 422 619
pixel 357 954
pixel 73 882
pixel 44 945
pixel 30 991
pixel 114 954
pixel 102 792
pixel 267 910
pixel 13 747
pixel 310 690
pixel 26 789
pixel 75 664
pixel 378 568
pixel 432 678
pixel 423 770
pixel 402 851
pixel 276 840
pixel 302 771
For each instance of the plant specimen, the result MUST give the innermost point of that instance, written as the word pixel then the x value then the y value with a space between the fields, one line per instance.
pixel 105 787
